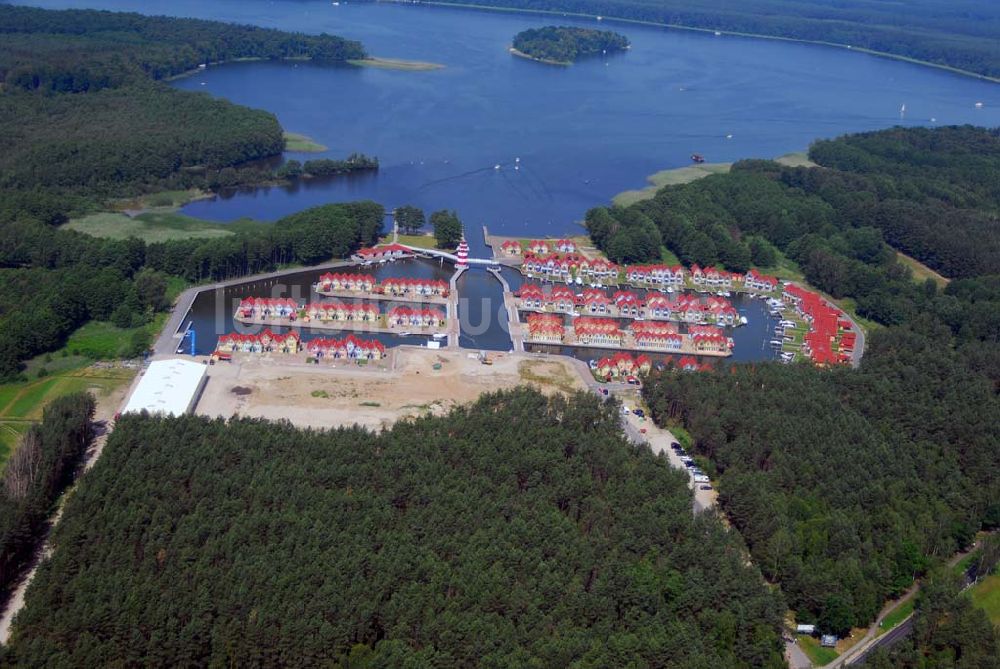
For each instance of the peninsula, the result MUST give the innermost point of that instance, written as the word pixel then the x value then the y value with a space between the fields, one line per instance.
pixel 561 45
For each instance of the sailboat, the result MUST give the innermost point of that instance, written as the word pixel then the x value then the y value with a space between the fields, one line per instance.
pixel 902 111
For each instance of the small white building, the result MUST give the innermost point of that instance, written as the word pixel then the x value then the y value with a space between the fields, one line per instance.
pixel 168 387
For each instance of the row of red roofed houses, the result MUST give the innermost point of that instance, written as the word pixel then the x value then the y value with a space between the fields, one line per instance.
pixel 330 282
pixel 607 332
pixel 421 318
pixel 831 337
pixel 341 312
pixel 570 266
pixel 385 253
pixel 708 278
pixel 622 364
pixel 512 247
pixel 626 304
pixel 261 308
pixel 335 311
pixel 348 348
pixel 263 342
pixel 369 313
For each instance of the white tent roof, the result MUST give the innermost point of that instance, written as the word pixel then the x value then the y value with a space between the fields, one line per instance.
pixel 167 387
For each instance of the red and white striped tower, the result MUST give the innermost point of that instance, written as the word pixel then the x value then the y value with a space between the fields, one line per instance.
pixel 462 253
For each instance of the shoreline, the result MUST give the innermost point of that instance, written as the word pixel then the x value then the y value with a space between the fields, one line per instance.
pixel 710 31
pixel 677 176
pixel 544 61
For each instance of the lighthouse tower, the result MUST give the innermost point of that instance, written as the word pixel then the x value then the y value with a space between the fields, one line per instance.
pixel 462 253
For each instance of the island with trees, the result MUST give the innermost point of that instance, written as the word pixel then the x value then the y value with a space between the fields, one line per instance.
pixel 959 34
pixel 561 45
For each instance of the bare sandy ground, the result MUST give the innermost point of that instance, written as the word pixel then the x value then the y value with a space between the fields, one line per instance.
pixel 374 396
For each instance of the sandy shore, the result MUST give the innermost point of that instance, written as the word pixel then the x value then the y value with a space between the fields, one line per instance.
pixel 374 396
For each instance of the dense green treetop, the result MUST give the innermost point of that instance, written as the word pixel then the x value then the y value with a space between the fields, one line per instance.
pixel 560 44
pixel 447 541
pixel 447 228
pixel 81 50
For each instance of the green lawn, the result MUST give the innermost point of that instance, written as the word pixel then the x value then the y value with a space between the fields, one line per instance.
pixel 99 340
pixel 986 595
pixel 668 257
pixel 817 654
pixel 419 241
pixel 302 144
pixel 921 272
pixel 896 616
pixel 153 226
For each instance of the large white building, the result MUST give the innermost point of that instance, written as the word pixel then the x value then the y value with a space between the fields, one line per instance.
pixel 168 387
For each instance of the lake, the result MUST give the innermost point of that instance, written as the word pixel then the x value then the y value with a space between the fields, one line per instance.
pixel 582 134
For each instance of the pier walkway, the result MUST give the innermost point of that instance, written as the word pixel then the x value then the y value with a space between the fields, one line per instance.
pixel 513 320
pixel 454 326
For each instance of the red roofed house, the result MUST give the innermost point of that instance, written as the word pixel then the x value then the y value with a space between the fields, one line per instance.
pixel 604 331
pixel 594 301
pixel 562 299
pixel 531 296
pixel 539 247
pixel 545 328
pixel 511 247
pixel 760 282
pixel 565 246
pixel 381 253
pixel 628 303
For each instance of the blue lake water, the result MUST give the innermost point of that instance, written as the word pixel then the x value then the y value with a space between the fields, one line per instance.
pixel 578 135
pixel 582 133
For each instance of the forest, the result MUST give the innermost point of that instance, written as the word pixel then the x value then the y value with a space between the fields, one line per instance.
pixel 445 541
pixel 88 121
pixel 69 278
pixel 954 33
pixel 849 484
pixel 909 187
pixel 91 120
pixel 75 51
pixel 36 474
pixel 564 45
pixel 846 485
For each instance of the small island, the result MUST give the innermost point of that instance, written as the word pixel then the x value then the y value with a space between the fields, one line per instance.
pixel 562 45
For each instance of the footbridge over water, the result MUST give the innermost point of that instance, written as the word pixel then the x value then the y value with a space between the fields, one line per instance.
pixel 449 256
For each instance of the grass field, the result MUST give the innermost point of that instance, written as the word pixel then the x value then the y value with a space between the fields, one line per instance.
pixel 99 340
pixel 896 616
pixel 986 595
pixel 21 404
pixel 153 226
pixel 921 272
pixel 302 144
pixel 419 241
pixel 816 653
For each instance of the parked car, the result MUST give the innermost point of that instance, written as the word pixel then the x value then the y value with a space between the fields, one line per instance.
pixel 675 445
pixel 604 391
pixel 704 487
pixel 700 478
pixel 639 412
pixel 625 411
